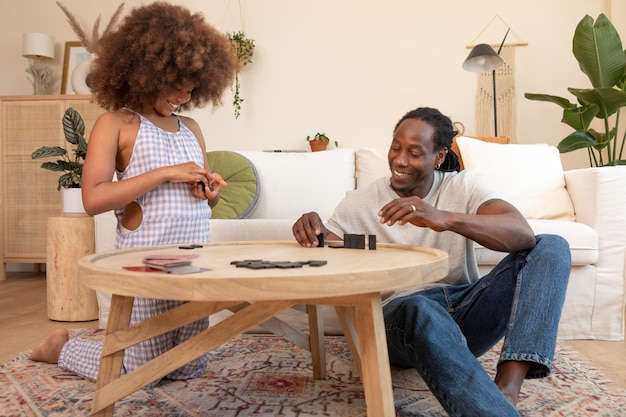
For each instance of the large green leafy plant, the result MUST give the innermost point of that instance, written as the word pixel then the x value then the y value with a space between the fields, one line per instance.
pixel 598 49
pixel 71 163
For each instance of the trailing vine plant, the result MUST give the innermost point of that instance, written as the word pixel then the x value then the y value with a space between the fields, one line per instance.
pixel 244 50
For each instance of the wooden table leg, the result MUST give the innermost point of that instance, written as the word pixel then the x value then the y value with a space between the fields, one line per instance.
pixel 316 340
pixel 111 388
pixel 347 320
pixel 375 368
pixel 111 365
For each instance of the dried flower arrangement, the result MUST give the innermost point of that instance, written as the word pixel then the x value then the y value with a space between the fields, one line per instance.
pixel 91 42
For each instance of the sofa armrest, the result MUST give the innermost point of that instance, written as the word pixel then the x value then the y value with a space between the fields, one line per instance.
pixel 599 199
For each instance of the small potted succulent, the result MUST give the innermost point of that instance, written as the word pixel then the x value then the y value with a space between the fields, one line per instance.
pixel 70 163
pixel 320 142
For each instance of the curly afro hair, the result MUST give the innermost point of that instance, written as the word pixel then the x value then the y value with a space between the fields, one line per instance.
pixel 157 48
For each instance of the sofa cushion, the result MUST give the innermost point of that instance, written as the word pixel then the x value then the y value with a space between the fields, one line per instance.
pixel 528 176
pixel 293 183
pixel 492 139
pixel 371 164
pixel 223 230
pixel 582 239
pixel 238 200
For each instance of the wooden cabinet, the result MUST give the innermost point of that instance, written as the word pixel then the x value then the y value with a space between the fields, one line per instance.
pixel 29 193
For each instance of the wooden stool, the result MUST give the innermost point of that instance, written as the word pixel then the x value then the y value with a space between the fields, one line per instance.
pixel 69 239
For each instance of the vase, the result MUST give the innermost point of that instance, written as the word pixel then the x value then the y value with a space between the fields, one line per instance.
pixel 73 202
pixel 318 145
pixel 80 76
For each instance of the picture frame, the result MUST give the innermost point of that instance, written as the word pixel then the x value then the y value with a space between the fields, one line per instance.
pixel 75 53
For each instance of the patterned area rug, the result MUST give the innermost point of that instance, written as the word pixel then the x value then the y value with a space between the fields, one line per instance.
pixel 262 375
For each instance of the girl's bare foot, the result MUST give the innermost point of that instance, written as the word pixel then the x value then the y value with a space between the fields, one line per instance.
pixel 50 350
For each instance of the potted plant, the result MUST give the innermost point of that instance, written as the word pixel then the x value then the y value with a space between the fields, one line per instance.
pixel 320 142
pixel 70 162
pixel 243 48
pixel 598 50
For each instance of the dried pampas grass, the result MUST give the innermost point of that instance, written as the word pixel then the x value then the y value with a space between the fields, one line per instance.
pixel 91 43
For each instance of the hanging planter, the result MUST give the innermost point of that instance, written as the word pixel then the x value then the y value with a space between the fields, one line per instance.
pixel 243 48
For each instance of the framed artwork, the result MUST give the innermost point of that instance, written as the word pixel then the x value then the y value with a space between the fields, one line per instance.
pixel 75 53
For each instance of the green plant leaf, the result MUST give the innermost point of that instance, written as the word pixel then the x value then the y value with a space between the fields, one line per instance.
pixel 47 151
pixel 598 49
pixel 602 140
pixel 580 118
pixel 73 126
pixel 322 137
pixel 52 166
pixel 563 102
pixel 608 99
pixel 81 148
pixel 578 140
pixel 67 181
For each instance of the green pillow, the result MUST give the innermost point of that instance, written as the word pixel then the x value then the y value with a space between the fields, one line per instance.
pixel 239 198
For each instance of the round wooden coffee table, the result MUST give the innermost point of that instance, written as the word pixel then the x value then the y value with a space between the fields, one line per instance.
pixel 352 281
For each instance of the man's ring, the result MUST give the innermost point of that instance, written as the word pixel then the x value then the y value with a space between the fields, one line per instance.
pixel 413 207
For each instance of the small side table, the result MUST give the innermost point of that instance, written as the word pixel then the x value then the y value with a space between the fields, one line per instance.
pixel 69 239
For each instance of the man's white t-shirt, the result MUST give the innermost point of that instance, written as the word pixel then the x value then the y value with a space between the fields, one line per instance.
pixel 456 192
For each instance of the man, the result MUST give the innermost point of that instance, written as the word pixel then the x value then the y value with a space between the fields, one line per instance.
pixel 440 329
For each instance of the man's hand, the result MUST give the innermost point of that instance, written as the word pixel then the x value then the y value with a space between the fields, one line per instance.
pixel 412 210
pixel 306 229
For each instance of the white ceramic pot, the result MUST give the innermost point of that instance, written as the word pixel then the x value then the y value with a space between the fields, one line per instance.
pixel 73 202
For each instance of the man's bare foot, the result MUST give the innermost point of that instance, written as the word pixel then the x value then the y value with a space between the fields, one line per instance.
pixel 50 350
pixel 510 377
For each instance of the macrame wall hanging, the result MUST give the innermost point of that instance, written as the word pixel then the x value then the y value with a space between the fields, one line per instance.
pixel 505 97
pixel 505 86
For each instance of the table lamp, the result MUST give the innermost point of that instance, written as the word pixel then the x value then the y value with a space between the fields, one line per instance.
pixel 38 48
pixel 483 58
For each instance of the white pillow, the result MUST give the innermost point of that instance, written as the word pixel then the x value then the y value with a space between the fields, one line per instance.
pixel 528 176
pixel 293 183
pixel 371 164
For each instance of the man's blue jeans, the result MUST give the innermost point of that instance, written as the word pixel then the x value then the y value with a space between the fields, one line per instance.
pixel 441 331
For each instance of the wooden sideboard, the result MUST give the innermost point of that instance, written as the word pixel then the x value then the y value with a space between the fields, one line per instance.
pixel 29 193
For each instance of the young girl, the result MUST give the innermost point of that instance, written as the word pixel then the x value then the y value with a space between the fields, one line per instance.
pixel 161 59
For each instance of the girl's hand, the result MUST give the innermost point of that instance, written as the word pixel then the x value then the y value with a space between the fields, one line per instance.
pixel 209 188
pixel 187 172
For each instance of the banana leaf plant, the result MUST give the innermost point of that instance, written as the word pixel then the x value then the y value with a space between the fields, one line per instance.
pixel 71 164
pixel 598 49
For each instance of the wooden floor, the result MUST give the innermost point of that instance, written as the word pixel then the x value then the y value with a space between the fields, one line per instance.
pixel 24 324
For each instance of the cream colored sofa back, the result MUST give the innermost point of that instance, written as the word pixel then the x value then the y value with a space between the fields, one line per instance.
pixel 589 215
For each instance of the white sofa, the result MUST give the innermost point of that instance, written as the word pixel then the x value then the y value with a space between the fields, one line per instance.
pixel 585 206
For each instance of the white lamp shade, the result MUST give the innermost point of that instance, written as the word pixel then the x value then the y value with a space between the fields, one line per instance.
pixel 37 46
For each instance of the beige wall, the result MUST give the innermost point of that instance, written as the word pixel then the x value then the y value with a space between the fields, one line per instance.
pixel 351 68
